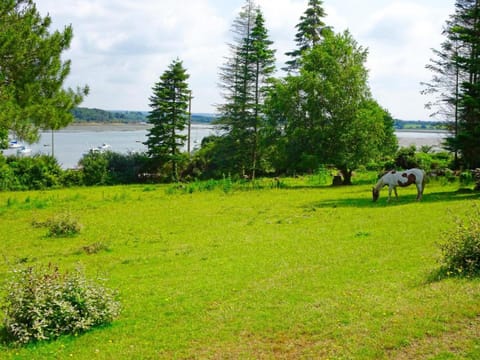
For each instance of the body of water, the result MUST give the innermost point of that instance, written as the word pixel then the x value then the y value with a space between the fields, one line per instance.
pixel 72 143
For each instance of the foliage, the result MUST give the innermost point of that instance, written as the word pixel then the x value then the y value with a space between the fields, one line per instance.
pixel 410 157
pixel 420 124
pixel 327 113
pixel 108 168
pixel 461 246
pixel 321 177
pixel 85 115
pixel 406 157
pixel 32 72
pixel 61 225
pixel 457 81
pixel 43 304
pixel 245 77
pixel 95 168
pixel 169 117
pixel 126 168
pixel 309 33
pixel 82 114
pixel 36 172
pixel 72 177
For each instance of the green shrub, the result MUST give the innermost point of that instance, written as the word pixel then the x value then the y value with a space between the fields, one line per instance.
pixel 60 225
pixel 322 176
pixel 42 304
pixel 125 168
pixel 461 249
pixel 405 157
pixel 72 177
pixel 35 172
pixel 95 168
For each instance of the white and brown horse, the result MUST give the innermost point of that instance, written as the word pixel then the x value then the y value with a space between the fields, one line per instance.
pixel 400 178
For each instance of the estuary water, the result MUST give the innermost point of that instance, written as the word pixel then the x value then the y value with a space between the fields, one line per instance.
pixel 71 143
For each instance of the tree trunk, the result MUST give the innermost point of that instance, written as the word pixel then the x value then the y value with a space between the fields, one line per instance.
pixel 347 176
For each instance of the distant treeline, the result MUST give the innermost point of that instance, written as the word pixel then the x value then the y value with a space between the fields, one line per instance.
pixel 123 116
pixel 420 125
pixel 120 116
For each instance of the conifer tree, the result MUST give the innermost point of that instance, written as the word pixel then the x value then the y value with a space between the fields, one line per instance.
pixel 467 34
pixel 169 117
pixel 32 72
pixel 244 78
pixel 458 65
pixel 309 32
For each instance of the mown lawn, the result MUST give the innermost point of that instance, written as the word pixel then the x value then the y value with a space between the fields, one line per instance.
pixel 296 272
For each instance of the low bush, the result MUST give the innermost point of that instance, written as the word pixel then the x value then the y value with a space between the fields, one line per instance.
pixel 23 173
pixel 42 304
pixel 95 168
pixel 461 248
pixel 60 225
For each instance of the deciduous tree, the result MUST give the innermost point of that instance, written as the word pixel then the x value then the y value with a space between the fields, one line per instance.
pixel 328 114
pixel 32 72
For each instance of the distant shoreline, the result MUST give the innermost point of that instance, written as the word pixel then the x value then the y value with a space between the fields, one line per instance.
pixel 133 126
pixel 99 127
pixel 93 126
pixel 422 131
pixel 427 137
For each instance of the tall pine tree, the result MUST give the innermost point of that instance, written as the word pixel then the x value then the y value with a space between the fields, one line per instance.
pixel 244 78
pixel 309 32
pixel 169 117
pixel 467 33
pixel 457 68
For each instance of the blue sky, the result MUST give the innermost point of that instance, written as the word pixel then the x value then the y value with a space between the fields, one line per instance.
pixel 121 47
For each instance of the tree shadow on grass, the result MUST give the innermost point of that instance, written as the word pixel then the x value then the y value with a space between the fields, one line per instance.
pixel 443 273
pixel 6 339
pixel 366 201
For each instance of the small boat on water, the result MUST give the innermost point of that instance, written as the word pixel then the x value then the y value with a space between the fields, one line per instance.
pixel 14 144
pixel 24 151
pixel 102 148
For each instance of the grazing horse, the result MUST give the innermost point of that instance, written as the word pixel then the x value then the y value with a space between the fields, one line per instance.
pixel 400 178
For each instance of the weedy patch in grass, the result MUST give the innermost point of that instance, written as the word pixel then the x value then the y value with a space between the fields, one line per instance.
pixel 62 225
pixel 95 248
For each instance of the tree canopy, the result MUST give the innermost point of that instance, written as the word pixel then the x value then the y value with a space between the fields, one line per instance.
pixel 327 111
pixel 456 81
pixel 32 72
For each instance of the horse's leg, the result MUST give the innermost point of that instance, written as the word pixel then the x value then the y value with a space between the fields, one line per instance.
pixel 395 190
pixel 423 185
pixel 419 191
pixel 389 193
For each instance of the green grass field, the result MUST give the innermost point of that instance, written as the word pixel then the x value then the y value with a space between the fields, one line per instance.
pixel 298 272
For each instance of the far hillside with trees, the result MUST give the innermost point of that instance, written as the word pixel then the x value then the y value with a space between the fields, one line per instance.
pixel 89 115
pixel 93 115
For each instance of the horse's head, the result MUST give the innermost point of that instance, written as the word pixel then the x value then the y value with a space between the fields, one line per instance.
pixel 375 194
